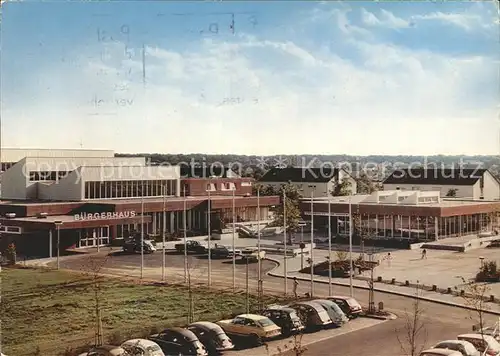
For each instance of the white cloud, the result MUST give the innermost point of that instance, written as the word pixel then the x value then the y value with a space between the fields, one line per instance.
pixel 466 21
pixel 266 96
pixel 385 19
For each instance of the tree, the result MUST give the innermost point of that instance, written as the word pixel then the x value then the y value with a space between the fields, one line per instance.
pixel 264 190
pixel 291 205
pixel 93 267
pixel 475 297
pixel 343 188
pixel 293 346
pixel 364 184
pixel 414 332
pixel 452 193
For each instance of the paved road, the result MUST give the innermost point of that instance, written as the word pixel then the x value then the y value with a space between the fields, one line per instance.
pixel 441 321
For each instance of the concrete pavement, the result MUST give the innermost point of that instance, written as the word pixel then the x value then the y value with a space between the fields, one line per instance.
pixel 441 268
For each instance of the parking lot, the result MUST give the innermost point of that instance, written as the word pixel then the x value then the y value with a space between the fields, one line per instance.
pixel 306 339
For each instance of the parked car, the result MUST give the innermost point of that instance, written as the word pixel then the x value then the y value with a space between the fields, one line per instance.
pixel 312 315
pixel 334 312
pixel 192 246
pixel 142 347
pixel 212 336
pixel 483 343
pixel 350 306
pixel 219 251
pixel 285 317
pixel 464 347
pixel 134 246
pixel 252 255
pixel 440 352
pixel 178 341
pixel 106 350
pixel 255 327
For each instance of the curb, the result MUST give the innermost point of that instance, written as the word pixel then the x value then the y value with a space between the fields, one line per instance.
pixel 401 294
pixel 391 316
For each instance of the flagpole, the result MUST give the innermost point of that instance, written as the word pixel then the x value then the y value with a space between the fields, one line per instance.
pixel 234 237
pixel 258 234
pixel 284 241
pixel 329 246
pixel 163 232
pixel 312 240
pixel 185 238
pixel 350 247
pixel 142 229
pixel 209 237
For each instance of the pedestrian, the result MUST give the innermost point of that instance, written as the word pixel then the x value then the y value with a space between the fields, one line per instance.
pixel 424 254
pixel 295 286
pixel 388 258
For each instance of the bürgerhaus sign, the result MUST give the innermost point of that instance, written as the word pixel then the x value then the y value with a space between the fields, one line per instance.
pixel 99 216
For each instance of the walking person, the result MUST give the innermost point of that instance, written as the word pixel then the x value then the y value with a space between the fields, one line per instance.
pixel 389 259
pixel 295 286
pixel 424 254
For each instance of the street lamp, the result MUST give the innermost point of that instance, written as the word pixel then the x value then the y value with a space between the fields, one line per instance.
pixel 481 258
pixel 58 223
pixel 233 188
pixel 163 231
pixel 259 273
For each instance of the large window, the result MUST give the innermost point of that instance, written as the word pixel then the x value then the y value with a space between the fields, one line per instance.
pixel 129 189
pixel 47 175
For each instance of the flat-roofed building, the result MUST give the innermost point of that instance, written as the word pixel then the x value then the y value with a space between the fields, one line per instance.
pixel 396 214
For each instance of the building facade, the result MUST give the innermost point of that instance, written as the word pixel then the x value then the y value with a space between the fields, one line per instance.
pixel 316 182
pixel 412 215
pixel 460 183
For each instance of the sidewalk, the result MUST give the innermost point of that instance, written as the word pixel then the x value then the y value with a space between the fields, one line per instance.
pixel 293 265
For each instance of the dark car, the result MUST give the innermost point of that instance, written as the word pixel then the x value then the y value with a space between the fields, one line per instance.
pixel 350 306
pixel 178 341
pixel 192 246
pixel 219 251
pixel 212 336
pixel 134 246
pixel 285 317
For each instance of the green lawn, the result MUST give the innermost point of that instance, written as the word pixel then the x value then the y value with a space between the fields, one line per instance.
pixel 49 311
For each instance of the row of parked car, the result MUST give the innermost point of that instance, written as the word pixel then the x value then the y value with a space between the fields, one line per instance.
pixel 205 338
pixel 466 345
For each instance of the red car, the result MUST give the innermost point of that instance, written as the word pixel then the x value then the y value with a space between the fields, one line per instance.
pixel 350 306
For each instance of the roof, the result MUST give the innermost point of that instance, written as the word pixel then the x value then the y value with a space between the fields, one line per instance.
pixel 300 174
pixel 444 352
pixel 280 307
pixel 205 324
pixel 436 176
pixel 188 334
pixel 252 316
pixel 477 336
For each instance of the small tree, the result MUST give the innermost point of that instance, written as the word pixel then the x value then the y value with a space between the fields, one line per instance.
pixel 452 193
pixel 11 253
pixel 293 346
pixel 93 267
pixel 414 336
pixel 364 184
pixel 343 188
pixel 475 296
pixel 289 207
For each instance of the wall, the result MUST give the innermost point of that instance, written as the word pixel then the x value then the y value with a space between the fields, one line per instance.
pixel 198 186
pixel 14 182
pixel 491 188
pixel 69 188
pixel 463 191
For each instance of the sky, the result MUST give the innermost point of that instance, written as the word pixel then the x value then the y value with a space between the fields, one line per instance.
pixel 264 78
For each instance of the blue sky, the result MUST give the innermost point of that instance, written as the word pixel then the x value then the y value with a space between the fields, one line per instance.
pixel 288 77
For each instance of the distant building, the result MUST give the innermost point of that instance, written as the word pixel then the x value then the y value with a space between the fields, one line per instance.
pixel 464 183
pixel 316 181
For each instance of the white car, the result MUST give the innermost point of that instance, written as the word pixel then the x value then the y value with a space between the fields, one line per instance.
pixel 482 342
pixel 142 347
pixel 440 352
pixel 465 347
